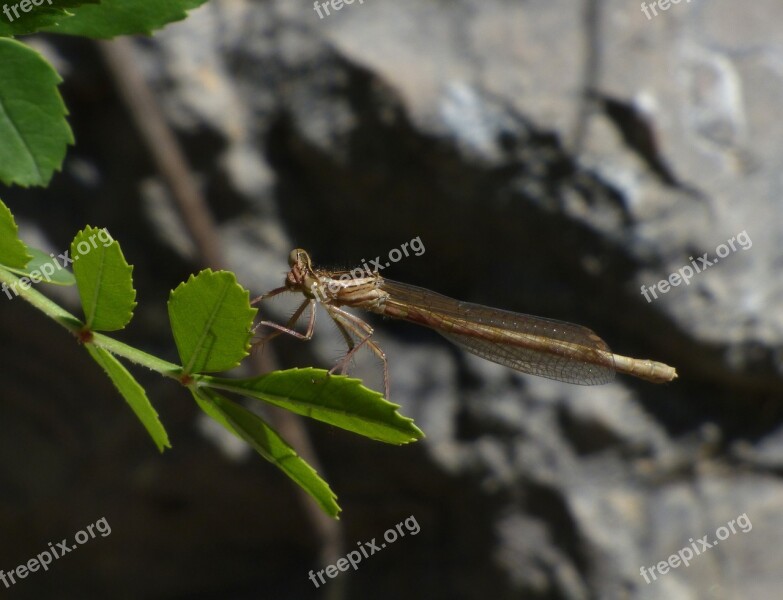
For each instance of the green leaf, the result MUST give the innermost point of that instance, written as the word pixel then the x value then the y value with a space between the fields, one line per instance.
pixel 23 260
pixel 133 393
pixel 104 280
pixel 268 443
pixel 211 318
pixel 124 17
pixel 13 252
pixel 340 401
pixel 15 21
pixel 33 131
pixel 45 268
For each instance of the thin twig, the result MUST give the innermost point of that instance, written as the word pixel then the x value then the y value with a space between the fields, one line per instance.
pixel 173 166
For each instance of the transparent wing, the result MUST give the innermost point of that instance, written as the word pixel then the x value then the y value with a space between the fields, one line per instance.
pixel 535 345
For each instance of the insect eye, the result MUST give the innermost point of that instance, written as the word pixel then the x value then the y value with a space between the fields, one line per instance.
pixel 293 258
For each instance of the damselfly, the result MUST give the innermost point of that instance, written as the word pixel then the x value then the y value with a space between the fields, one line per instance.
pixel 535 345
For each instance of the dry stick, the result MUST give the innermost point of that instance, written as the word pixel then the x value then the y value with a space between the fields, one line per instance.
pixel 591 71
pixel 163 146
pixel 170 161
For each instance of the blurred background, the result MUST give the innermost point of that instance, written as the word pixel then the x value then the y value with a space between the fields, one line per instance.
pixel 552 158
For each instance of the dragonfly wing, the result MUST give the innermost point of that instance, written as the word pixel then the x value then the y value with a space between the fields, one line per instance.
pixel 551 366
pixel 465 324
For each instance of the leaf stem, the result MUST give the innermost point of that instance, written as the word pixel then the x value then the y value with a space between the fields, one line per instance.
pixel 41 302
pixel 76 327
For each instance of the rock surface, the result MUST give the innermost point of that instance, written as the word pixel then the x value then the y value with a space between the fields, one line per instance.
pixel 552 158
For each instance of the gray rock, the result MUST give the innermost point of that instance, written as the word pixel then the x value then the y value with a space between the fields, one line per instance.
pixel 550 164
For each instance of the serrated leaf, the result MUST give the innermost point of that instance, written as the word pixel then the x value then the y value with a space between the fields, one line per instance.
pixel 44 268
pixel 13 252
pixel 25 261
pixel 15 21
pixel 133 393
pixel 211 317
pixel 340 401
pixel 34 134
pixel 104 280
pixel 124 17
pixel 267 442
